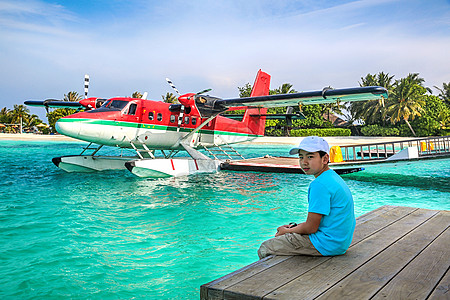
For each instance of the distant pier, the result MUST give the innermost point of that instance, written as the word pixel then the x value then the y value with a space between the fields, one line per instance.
pixel 353 157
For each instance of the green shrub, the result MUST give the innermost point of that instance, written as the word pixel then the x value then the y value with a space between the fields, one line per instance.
pixel 273 131
pixel 321 132
pixel 376 130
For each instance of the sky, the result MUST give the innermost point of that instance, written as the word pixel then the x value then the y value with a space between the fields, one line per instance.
pixel 46 47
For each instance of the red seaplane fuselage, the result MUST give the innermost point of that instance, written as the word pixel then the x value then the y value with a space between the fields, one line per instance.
pixel 121 121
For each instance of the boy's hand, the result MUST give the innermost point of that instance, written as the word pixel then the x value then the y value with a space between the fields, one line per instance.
pixel 282 230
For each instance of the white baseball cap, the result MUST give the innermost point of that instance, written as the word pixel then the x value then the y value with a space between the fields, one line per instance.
pixel 311 144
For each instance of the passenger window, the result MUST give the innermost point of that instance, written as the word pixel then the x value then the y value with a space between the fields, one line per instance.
pixel 151 116
pixel 132 109
pixel 159 117
pixel 186 120
pixel 194 121
pixel 172 118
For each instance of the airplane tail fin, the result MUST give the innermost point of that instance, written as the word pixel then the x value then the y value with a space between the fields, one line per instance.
pixel 261 86
pixel 252 118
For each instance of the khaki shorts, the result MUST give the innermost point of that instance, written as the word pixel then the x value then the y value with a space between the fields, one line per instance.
pixel 288 244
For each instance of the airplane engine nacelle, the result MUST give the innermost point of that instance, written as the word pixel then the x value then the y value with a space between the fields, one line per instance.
pixel 187 100
pixel 92 103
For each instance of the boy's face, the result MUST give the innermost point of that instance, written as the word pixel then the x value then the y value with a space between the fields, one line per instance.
pixel 312 164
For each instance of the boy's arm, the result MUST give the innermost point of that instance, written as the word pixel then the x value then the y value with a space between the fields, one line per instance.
pixel 310 226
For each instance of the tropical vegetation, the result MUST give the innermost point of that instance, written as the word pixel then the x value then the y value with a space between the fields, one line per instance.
pixel 12 120
pixel 410 110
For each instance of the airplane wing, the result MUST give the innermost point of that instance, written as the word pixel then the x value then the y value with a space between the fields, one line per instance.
pixel 327 95
pixel 53 103
pixel 208 105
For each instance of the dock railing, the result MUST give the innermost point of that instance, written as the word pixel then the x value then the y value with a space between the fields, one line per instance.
pixel 430 146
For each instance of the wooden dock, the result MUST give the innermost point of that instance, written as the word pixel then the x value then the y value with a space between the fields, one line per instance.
pixel 270 164
pixel 396 253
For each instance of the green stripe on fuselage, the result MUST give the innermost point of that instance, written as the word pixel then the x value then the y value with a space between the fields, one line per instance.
pixel 151 126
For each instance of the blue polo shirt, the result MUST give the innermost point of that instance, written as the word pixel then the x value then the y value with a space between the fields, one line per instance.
pixel 330 196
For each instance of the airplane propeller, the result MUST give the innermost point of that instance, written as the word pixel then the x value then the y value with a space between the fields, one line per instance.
pixel 86 85
pixel 173 86
pixel 178 92
pixel 204 91
pixel 182 108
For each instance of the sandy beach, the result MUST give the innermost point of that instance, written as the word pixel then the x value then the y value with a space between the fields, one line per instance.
pixel 34 137
pixel 333 141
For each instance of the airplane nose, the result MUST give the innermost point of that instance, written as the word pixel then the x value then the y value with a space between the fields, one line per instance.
pixel 67 127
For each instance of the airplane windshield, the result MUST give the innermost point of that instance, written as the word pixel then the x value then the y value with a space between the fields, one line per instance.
pixel 115 104
pixel 119 104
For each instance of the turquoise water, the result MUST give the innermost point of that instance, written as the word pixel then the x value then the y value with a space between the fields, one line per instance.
pixel 112 235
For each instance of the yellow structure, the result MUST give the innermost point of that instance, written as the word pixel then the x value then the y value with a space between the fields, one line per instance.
pixel 336 154
pixel 424 146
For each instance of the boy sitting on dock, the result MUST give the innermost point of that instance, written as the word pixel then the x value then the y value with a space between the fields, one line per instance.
pixel 328 229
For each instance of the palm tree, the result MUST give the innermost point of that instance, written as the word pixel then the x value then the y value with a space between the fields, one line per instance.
pixel 19 115
pixel 170 98
pixel 72 96
pixel 285 88
pixel 384 80
pixel 32 120
pixel 245 91
pixel 444 93
pixel 328 108
pixel 136 95
pixel 373 110
pixel 444 119
pixel 19 112
pixel 5 115
pixel 407 99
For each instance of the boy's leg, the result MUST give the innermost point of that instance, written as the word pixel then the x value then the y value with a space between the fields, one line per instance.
pixel 288 244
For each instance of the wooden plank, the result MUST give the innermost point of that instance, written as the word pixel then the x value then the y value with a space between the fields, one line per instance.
pixel 374 213
pixel 215 288
pixel 442 290
pixel 370 226
pixel 336 268
pixel 371 223
pixel 418 279
pixel 264 282
pixel 367 280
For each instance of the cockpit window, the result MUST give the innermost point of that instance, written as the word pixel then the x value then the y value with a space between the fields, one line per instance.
pixel 115 104
pixel 99 102
pixel 118 104
pixel 106 103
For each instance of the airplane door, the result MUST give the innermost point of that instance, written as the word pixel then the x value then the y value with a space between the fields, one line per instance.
pixel 206 135
pixel 132 114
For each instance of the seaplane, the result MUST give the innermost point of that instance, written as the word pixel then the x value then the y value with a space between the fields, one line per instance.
pixel 195 123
